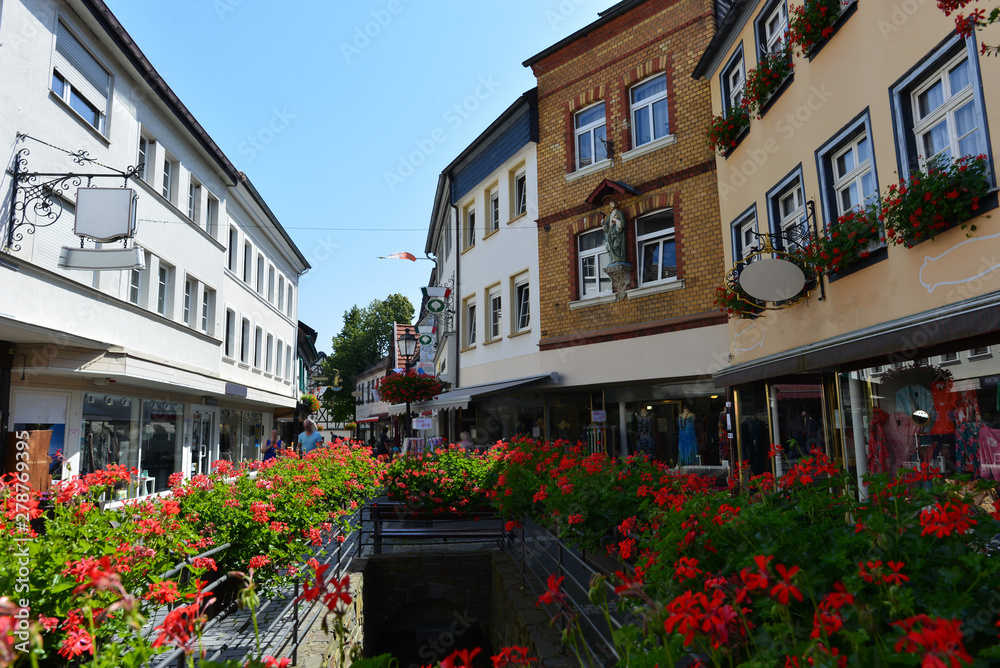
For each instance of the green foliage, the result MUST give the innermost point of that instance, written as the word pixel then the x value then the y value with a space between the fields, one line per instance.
pixel 364 339
pixel 446 480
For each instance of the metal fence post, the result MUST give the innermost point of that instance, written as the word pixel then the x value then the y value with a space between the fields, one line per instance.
pixel 524 579
pixel 295 626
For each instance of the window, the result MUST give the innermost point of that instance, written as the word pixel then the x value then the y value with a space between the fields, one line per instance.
pixel 772 26
pixel 787 211
pixel 853 175
pixel 230 335
pixel 593 258
pixel 207 309
pixel 234 241
pixel 288 362
pixel 269 355
pixel 520 193
pixel 145 156
pixel 470 322
pixel 590 136
pixel 288 302
pixel 278 366
pixel 734 80
pixel 168 184
pixel 258 344
pixel 496 313
pixel 979 352
pixel 949 357
pixel 163 290
pixel 522 306
pixel 245 341
pixel 189 288
pixel 938 109
pixel 281 293
pixel 494 200
pixel 745 235
pixel 447 241
pixel 657 251
pixel 194 201
pixel 247 262
pixel 260 274
pixel 79 80
pixel 650 118
pixel 212 216
pixel 945 122
pixel 470 225
pixel 135 286
pixel 270 285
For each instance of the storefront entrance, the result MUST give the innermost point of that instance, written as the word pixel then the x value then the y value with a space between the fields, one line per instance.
pixel 204 439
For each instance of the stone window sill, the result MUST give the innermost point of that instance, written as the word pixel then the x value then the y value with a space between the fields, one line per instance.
pixel 588 170
pixel 649 147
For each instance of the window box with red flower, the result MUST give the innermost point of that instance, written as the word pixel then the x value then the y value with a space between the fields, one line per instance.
pixel 727 130
pixel 767 80
pixel 814 22
pixel 734 301
pixel 945 193
pixel 850 239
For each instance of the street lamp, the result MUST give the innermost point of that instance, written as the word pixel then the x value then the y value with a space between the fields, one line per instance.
pixel 407 346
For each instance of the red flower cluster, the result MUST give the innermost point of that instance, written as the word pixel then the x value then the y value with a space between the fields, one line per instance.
pixel 936 640
pixel 944 519
pixel 811 23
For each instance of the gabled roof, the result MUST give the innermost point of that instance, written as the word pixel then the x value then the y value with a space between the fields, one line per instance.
pixel 606 16
pixel 730 11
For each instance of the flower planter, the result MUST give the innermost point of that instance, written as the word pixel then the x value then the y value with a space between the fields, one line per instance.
pixel 812 24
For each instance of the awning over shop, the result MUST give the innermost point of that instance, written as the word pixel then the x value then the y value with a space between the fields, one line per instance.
pixel 367 420
pixel 897 340
pixel 461 397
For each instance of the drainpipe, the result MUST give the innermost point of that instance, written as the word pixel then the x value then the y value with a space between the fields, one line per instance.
pixel 458 283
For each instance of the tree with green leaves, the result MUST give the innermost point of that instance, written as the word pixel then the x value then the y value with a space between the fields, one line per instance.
pixel 364 339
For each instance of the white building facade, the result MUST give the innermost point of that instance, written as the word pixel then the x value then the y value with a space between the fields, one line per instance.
pixel 483 231
pixel 164 368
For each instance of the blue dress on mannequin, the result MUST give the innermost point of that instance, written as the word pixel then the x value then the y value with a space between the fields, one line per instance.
pixel 687 448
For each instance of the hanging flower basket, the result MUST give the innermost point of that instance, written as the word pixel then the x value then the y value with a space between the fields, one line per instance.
pixel 945 194
pixel 410 387
pixel 725 130
pixel 311 402
pixel 812 23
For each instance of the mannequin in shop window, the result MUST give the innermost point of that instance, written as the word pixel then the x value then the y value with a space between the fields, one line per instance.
pixel 687 446
pixel 644 426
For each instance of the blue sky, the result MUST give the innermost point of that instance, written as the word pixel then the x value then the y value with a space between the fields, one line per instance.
pixel 355 88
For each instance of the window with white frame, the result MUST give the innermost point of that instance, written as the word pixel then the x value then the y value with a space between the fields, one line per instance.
pixel 591 135
pixel 289 375
pixel 852 169
pixel 945 120
pixel 470 225
pixel 245 341
pixel 189 290
pixel 288 301
pixel 278 366
pixel 949 358
pixel 520 193
pixel 194 201
pixel 592 257
pixel 939 109
pixel 447 240
pixel 258 345
pixel 207 310
pixel 168 183
pixel 135 287
pixel 495 324
pixel 145 158
pixel 229 340
pixel 79 80
pixel 234 246
pixel 650 115
pixel 787 208
pixel 163 289
pixel 522 305
pixel 212 215
pixel 734 80
pixel 281 293
pixel 269 355
pixel 270 284
pixel 470 322
pixel 260 274
pixel 982 351
pixel 745 235
pixel 247 262
pixel 656 248
pixel 494 199
pixel 772 27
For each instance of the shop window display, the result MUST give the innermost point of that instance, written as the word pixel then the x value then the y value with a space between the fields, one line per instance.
pixel 679 432
pixel 755 442
pixel 162 443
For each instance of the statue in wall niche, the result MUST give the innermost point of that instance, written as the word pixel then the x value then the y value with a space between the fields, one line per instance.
pixel 614 234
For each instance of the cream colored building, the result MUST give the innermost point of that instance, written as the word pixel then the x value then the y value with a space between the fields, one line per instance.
pixel 892 85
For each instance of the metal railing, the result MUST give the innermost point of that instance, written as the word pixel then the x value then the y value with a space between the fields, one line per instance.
pixel 538 554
